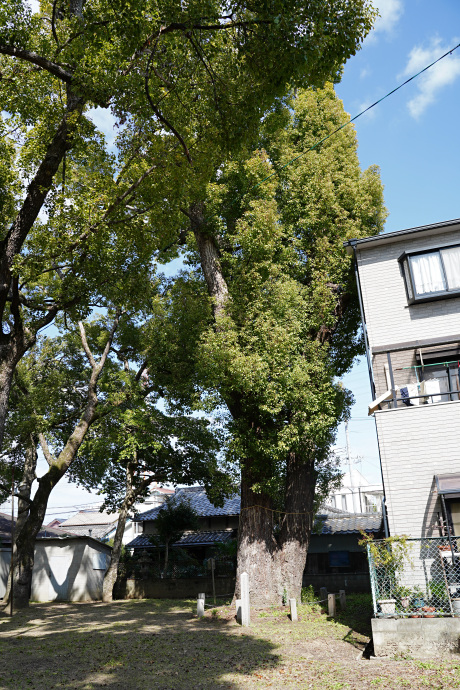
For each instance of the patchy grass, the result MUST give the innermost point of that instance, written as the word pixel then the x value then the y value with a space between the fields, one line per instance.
pixel 162 645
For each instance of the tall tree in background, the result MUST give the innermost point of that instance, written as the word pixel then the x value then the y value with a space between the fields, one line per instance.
pixel 137 445
pixel 276 321
pixel 187 83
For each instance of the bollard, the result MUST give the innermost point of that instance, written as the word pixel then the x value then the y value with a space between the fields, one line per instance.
pixel 200 605
pixel 238 611
pixel 293 606
pixel 245 611
pixel 343 599
pixel 331 605
pixel 323 595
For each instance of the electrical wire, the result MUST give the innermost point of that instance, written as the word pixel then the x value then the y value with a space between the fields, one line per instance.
pixel 353 119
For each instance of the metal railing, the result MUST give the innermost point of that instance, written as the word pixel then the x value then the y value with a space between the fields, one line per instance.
pixel 415 577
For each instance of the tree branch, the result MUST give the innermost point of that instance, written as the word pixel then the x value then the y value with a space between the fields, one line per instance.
pixel 30 56
pixel 158 113
pixel 86 348
pixel 45 448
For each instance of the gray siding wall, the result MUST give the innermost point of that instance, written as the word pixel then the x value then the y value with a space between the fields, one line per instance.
pixel 389 318
pixel 415 444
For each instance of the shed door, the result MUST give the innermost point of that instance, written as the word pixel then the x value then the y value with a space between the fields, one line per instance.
pixel 58 573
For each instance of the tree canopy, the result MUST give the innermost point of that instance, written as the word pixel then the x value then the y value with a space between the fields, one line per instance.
pixel 276 322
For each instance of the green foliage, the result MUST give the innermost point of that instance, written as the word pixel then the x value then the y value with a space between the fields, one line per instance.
pixel 174 518
pixel 291 326
pixel 308 595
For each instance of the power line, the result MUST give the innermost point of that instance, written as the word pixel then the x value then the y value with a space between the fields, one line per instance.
pixel 353 119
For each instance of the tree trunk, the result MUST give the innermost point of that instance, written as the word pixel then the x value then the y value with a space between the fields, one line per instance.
pixel 165 567
pixel 297 523
pixel 110 576
pixel 257 547
pixel 23 560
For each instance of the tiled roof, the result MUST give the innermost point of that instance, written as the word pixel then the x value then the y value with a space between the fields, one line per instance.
pixel 97 531
pixel 190 539
pixel 196 495
pixel 5 530
pixel 90 517
pixel 348 524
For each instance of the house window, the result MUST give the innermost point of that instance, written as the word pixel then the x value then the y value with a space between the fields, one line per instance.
pixel 344 501
pixel 432 274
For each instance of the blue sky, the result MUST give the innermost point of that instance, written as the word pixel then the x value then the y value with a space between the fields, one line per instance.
pixel 413 136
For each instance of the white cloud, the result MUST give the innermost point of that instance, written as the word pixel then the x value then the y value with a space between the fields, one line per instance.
pixel 390 12
pixel 431 82
pixel 364 73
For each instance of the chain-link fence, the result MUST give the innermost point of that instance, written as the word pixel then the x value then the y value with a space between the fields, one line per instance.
pixel 415 577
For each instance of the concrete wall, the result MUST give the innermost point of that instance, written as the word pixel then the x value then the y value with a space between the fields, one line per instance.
pixel 389 318
pixel 183 588
pixel 415 444
pixel 420 637
pixel 64 570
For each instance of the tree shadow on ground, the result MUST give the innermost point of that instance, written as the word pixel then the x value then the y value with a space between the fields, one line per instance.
pixel 357 614
pixel 126 645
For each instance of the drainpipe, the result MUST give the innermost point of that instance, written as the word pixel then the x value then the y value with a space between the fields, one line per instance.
pixel 352 244
pixel 385 522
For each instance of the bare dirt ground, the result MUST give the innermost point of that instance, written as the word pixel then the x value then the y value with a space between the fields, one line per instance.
pixel 161 645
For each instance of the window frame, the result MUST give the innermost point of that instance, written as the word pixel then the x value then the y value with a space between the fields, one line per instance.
pixel 405 260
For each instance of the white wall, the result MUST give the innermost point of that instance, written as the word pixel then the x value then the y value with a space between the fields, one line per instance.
pixel 415 444
pixel 64 570
pixel 389 318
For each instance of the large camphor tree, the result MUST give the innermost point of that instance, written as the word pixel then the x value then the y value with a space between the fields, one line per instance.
pixel 188 83
pixel 276 321
pixel 187 86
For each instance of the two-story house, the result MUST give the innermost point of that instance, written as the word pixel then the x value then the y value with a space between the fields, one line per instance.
pixel 409 289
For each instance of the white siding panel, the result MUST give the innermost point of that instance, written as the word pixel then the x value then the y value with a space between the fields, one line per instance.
pixel 389 318
pixel 419 442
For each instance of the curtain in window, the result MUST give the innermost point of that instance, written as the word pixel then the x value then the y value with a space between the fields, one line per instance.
pixel 451 258
pixel 427 271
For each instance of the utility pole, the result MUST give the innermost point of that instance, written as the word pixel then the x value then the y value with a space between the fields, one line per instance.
pixel 349 466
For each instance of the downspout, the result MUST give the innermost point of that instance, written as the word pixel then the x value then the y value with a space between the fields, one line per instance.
pixel 352 245
pixel 384 515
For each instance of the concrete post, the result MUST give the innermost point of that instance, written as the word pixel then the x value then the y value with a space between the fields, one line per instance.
pixel 323 594
pixel 238 611
pixel 293 606
pixel 331 605
pixel 343 599
pixel 200 605
pixel 245 612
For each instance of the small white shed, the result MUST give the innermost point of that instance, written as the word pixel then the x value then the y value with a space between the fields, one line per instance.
pixel 68 568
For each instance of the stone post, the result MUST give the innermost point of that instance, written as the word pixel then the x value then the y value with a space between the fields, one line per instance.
pixel 331 605
pixel 238 611
pixel 200 605
pixel 245 612
pixel 293 606
pixel 343 599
